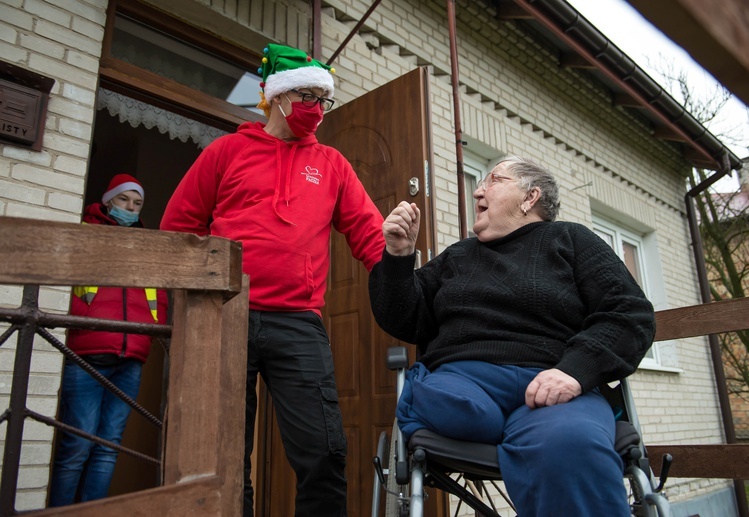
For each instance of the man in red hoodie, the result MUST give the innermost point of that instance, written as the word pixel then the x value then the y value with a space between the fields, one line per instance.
pixel 279 192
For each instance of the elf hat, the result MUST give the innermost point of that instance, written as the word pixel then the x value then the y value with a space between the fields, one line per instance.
pixel 286 68
pixel 120 183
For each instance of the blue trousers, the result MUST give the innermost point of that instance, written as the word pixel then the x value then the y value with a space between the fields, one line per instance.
pixel 555 460
pixel 89 406
pixel 292 353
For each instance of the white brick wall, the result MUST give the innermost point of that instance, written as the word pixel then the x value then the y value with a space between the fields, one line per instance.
pixel 60 39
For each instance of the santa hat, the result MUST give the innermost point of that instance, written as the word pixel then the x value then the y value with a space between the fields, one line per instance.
pixel 286 68
pixel 120 183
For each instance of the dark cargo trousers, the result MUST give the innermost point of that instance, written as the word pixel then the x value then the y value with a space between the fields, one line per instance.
pixel 291 351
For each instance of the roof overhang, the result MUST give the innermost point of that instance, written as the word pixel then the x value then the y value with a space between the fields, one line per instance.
pixel 584 47
pixel 714 33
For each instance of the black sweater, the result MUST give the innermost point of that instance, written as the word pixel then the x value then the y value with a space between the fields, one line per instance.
pixel 549 295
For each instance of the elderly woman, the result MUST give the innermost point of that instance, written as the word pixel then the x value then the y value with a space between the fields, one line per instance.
pixel 515 330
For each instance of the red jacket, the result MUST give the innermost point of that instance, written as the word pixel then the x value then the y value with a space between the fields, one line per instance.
pixel 114 303
pixel 280 200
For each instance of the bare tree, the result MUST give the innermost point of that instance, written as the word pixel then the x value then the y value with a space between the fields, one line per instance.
pixel 724 226
pixel 724 222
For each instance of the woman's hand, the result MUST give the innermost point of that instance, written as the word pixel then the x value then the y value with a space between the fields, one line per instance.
pixel 551 387
pixel 401 228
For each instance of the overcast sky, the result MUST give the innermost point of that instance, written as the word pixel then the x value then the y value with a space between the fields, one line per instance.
pixel 642 42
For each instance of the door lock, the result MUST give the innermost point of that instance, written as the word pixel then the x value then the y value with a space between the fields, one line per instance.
pixel 413 186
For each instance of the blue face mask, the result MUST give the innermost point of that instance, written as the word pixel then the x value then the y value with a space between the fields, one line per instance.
pixel 123 217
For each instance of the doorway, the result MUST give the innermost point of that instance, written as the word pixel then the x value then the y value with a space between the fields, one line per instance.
pixel 157 147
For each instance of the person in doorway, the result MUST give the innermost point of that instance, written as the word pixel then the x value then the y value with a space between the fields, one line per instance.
pixel 278 191
pixel 516 329
pixel 81 466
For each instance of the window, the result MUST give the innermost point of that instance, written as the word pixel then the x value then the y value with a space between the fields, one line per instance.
pixel 636 251
pixel 627 245
pixel 172 58
pixel 156 59
pixel 474 170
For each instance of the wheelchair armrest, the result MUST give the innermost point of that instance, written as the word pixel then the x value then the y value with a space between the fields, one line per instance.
pixel 626 438
pixel 397 358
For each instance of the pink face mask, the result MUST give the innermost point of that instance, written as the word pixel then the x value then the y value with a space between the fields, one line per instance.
pixel 303 120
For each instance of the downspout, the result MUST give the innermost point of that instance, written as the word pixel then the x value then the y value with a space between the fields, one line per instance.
pixel 715 351
pixel 455 80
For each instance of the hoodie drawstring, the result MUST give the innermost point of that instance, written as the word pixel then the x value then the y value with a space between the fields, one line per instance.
pixel 279 174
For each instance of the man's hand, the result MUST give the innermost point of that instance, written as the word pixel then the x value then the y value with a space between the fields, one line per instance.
pixel 551 387
pixel 401 228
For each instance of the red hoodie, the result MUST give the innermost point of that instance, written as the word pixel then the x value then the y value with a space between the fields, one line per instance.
pixel 278 199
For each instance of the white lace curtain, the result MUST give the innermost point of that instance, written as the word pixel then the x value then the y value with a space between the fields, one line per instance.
pixel 136 113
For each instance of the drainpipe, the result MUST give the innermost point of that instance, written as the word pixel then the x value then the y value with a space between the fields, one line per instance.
pixel 455 80
pixel 715 351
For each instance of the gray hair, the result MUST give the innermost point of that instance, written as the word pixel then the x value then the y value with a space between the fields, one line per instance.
pixel 532 175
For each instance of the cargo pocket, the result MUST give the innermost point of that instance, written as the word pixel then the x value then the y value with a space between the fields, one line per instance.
pixel 333 421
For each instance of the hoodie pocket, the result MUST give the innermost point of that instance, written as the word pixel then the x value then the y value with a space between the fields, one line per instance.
pixel 280 275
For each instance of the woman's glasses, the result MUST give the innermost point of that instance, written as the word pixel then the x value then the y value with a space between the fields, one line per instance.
pixel 491 179
pixel 310 100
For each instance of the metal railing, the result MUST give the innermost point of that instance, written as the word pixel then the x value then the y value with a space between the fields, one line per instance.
pixel 29 321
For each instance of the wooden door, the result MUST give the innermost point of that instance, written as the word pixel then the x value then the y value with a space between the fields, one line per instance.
pixel 385 135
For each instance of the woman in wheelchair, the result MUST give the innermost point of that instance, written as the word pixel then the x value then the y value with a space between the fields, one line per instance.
pixel 515 329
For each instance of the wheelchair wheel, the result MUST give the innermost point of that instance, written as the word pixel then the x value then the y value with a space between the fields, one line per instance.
pixel 643 502
pixel 635 498
pixel 395 506
pixel 378 489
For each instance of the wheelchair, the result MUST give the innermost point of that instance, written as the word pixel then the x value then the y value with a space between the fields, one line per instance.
pixel 467 469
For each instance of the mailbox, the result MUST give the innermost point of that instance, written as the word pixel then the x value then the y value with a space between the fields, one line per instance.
pixel 23 106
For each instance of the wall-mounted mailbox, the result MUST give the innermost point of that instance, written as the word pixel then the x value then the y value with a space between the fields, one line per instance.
pixel 23 106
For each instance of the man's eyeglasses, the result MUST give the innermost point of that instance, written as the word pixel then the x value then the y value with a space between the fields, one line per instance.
pixel 310 100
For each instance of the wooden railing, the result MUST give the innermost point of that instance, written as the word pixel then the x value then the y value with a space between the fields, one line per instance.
pixel 204 429
pixel 729 461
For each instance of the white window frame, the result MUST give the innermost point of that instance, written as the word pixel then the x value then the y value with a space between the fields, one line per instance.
pixel 648 269
pixel 475 169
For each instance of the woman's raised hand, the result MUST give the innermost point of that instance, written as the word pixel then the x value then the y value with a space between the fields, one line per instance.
pixel 401 228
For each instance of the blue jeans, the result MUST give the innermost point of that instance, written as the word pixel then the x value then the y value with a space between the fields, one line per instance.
pixel 89 406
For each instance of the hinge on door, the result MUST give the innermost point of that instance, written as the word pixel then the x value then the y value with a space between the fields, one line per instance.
pixel 426 178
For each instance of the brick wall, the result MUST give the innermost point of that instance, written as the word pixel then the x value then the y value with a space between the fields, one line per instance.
pixel 60 39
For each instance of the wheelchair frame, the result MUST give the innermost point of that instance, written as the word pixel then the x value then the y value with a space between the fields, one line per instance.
pixel 403 470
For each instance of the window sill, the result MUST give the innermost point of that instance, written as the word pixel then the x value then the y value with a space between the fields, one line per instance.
pixel 653 367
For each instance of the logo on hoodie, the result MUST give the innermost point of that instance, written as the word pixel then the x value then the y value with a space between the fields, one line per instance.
pixel 312 175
